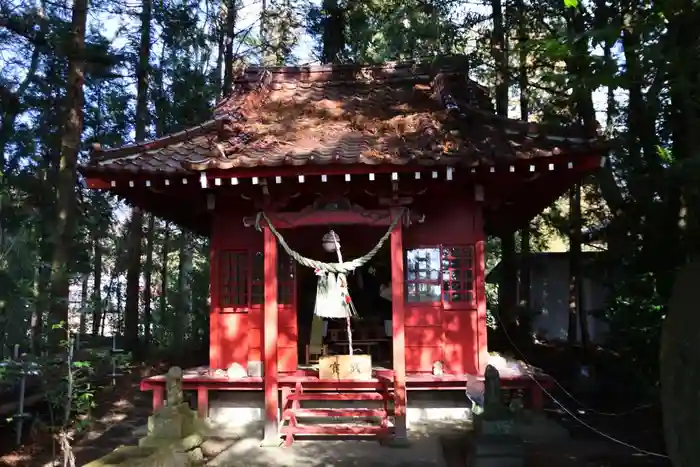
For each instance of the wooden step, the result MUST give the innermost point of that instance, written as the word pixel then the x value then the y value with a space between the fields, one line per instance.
pixel 336 396
pixel 345 429
pixel 303 412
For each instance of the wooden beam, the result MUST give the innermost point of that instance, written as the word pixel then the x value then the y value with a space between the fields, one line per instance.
pixel 397 329
pixel 482 353
pixel 95 183
pixel 271 436
pixel 370 217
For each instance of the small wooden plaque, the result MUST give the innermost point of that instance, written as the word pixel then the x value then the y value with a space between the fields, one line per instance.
pixel 356 367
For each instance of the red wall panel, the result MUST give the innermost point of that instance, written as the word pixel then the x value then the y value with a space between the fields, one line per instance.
pixel 452 332
pixel 235 334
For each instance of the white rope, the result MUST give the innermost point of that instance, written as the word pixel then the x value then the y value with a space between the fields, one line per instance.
pixel 333 298
pixel 338 268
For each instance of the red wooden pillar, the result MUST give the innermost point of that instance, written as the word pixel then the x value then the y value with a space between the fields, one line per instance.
pixel 271 432
pixel 397 329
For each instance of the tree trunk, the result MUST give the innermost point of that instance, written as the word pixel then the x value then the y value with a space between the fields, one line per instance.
pixel 577 316
pixel 524 276
pixel 184 285
pixel 508 288
pixel 148 281
pixel 229 36
pixel 163 302
pixel 220 46
pixel 83 304
pixel 680 353
pixel 41 302
pixel 133 277
pixel 97 289
pixel 679 364
pixel 66 202
pixel 333 32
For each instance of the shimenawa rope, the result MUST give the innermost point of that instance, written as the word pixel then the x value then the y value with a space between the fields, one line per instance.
pixel 338 268
pixel 332 296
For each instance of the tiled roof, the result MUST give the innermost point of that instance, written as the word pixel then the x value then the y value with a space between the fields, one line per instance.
pixel 391 114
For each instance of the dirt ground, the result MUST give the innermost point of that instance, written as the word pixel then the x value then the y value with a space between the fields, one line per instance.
pixel 118 411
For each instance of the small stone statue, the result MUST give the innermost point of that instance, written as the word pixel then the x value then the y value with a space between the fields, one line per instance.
pixel 173 386
pixel 492 389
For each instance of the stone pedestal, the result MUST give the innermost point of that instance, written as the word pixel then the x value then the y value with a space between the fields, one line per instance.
pixel 497 442
pixel 498 451
pixel 172 422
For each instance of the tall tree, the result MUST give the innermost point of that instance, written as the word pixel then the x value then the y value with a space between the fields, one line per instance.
pixel 68 158
pixel 148 280
pixel 524 283
pixel 508 288
pixel 333 40
pixel 184 285
pixel 229 37
pixel 131 324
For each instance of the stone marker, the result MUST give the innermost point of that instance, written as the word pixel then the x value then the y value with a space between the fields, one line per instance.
pixel 175 425
pixel 173 386
pixel 175 435
pixel 496 441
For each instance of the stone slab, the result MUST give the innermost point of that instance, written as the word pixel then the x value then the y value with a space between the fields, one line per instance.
pixel 499 462
pixel 496 427
pixel 498 446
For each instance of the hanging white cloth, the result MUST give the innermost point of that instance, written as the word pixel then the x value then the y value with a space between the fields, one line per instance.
pixel 331 296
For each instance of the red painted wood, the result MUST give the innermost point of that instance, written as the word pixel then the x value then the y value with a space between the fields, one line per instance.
pixel 236 333
pixel 287 338
pixel 586 162
pixel 482 352
pixel 338 430
pixel 158 393
pixel 398 337
pixel 229 328
pixel 287 358
pixel 336 396
pixel 288 220
pixel 335 413
pixel 423 336
pixel 202 401
pixel 421 358
pixel 423 315
pixel 312 170
pixel 292 411
pixel 97 183
pixel 270 336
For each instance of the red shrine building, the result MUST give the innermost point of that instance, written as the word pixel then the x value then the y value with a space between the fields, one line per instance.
pixel 357 150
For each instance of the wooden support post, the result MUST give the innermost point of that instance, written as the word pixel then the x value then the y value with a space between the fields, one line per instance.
pixel 158 396
pixel 481 356
pixel 398 338
pixel 202 401
pixel 271 436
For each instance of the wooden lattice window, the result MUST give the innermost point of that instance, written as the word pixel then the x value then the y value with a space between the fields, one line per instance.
pixel 285 279
pixel 423 275
pixel 440 273
pixel 234 278
pixel 458 274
